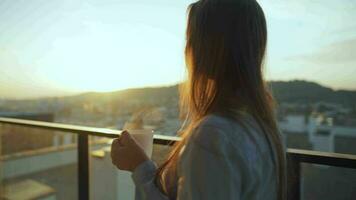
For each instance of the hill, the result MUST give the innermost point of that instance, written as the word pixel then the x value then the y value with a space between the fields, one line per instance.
pixel 309 92
pixel 297 91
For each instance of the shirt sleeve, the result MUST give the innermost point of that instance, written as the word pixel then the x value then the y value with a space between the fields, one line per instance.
pixel 143 177
pixel 206 172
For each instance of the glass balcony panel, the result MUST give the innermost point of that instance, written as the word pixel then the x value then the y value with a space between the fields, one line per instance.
pixel 106 181
pixel 37 164
pixel 326 182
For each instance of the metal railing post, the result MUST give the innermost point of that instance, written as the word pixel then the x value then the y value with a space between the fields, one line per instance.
pixel 293 178
pixel 1 170
pixel 83 167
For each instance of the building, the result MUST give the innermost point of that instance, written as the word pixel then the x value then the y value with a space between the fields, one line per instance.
pixel 319 131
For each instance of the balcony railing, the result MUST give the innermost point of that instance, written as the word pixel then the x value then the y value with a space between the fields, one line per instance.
pixel 295 157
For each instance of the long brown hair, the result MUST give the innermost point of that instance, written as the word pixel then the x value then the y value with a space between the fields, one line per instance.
pixel 225 47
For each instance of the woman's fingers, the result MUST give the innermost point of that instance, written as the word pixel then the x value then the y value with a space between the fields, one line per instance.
pixel 114 146
pixel 118 152
pixel 126 154
pixel 118 145
pixel 125 138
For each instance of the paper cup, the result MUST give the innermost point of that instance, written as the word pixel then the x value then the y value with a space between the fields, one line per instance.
pixel 144 138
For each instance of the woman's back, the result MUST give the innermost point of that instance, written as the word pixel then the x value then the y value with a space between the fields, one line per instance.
pixel 222 157
pixel 224 154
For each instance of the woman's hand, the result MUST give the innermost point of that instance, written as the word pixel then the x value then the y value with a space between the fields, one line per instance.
pixel 126 154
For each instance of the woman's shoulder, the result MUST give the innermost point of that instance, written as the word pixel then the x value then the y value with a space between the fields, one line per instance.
pixel 215 120
pixel 218 133
pixel 214 125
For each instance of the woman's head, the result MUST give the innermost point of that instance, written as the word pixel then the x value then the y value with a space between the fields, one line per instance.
pixel 226 43
pixel 225 48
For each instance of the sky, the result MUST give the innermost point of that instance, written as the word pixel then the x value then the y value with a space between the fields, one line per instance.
pixel 61 47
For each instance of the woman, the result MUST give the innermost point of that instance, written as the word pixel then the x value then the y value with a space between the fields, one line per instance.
pixel 231 147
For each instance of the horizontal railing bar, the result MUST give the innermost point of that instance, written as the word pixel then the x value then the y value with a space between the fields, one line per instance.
pixel 165 140
pixel 93 131
pixel 323 158
pixel 304 156
pixel 62 127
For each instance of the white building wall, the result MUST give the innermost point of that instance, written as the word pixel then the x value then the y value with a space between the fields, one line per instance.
pixel 107 182
pixel 293 123
pixel 29 164
pixel 344 131
pixel 326 142
pixel 323 143
pixel 56 140
pixel 67 139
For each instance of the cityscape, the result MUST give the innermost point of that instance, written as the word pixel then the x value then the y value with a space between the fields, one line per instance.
pixel 310 117
pixel 112 65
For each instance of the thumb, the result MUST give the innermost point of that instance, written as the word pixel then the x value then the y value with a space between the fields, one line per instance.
pixel 125 138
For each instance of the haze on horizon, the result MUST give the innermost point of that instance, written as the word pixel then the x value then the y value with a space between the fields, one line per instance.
pixel 59 47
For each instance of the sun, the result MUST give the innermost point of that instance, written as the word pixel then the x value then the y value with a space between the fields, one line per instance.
pixel 103 62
